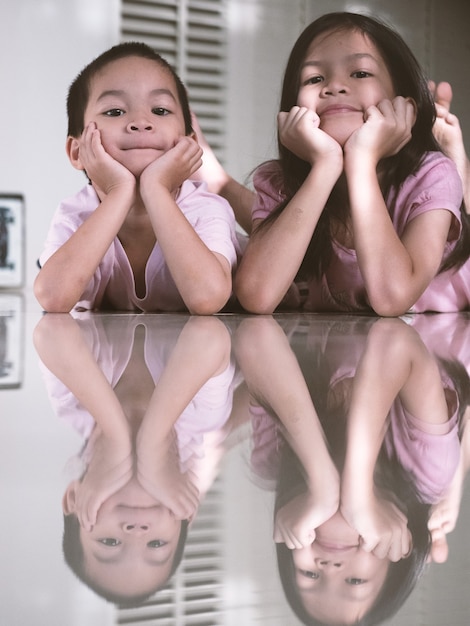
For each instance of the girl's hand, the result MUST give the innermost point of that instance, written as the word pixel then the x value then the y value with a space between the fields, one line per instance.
pixel 102 169
pixel 296 521
pixel 174 167
pixel 109 470
pixel 386 129
pixel 381 526
pixel 299 132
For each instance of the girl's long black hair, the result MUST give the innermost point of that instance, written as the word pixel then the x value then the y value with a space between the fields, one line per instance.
pixel 409 81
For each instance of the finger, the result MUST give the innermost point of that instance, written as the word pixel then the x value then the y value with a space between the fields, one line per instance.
pixel 443 94
pixel 440 550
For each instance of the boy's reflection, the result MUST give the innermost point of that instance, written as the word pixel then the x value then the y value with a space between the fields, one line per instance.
pixel 365 427
pixel 144 391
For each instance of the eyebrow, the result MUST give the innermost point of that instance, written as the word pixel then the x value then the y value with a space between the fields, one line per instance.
pixel 357 56
pixel 120 93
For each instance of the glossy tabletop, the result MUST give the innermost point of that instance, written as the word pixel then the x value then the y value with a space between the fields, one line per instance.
pixel 169 469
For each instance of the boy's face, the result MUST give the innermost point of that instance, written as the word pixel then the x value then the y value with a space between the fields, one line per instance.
pixel 134 103
pixel 133 542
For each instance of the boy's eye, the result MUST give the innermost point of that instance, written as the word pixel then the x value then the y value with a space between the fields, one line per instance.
pixel 355 581
pixel 114 112
pixel 156 543
pixel 160 111
pixel 361 74
pixel 309 574
pixel 110 542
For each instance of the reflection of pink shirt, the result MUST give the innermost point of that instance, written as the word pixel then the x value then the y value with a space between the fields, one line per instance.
pixel 112 285
pixel 110 339
pixel 436 185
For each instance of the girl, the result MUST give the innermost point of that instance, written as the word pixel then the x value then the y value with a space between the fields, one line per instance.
pixel 361 211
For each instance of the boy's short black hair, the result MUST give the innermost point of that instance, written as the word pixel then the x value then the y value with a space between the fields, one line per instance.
pixel 74 557
pixel 79 91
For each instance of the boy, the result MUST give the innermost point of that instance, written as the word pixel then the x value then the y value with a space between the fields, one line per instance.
pixel 140 236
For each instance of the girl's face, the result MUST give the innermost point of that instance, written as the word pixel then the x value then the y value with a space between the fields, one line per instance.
pixel 134 103
pixel 337 580
pixel 342 75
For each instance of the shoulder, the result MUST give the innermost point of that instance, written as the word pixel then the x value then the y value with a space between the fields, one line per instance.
pixel 80 204
pixel 195 196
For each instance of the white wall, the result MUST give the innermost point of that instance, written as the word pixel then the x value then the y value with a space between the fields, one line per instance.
pixel 43 45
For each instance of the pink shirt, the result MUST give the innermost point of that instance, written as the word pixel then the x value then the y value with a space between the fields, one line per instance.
pixel 113 282
pixel 436 185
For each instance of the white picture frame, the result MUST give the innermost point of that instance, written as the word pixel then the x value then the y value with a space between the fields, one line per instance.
pixel 12 240
pixel 11 341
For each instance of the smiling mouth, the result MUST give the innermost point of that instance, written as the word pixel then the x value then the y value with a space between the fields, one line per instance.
pixel 336 547
pixel 338 110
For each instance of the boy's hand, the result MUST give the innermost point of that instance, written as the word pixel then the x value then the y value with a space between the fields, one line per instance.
pixel 109 470
pixel 299 132
pixel 159 473
pixel 102 169
pixel 386 129
pixel 174 167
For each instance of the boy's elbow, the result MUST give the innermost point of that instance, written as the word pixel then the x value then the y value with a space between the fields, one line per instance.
pixel 210 302
pixel 50 301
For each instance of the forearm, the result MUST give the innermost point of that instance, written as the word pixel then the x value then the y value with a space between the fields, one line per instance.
pixel 274 254
pixel 393 277
pixel 274 377
pixel 240 199
pixel 202 351
pixel 66 274
pixel 203 278
pixel 56 338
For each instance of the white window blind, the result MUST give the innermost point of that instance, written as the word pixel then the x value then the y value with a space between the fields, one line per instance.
pixel 191 36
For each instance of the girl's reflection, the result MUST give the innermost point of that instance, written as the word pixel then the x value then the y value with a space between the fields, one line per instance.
pixel 365 432
pixel 145 392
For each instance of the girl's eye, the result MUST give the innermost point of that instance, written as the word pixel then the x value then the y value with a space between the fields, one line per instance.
pixel 308 574
pixel 110 542
pixel 355 581
pixel 156 543
pixel 114 112
pixel 361 74
pixel 160 111
pixel 313 80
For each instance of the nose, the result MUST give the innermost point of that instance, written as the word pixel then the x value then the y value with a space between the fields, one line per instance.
pixel 329 564
pixel 334 86
pixel 141 124
pixel 135 529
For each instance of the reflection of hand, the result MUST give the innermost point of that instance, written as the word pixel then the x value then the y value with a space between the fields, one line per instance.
pixel 297 520
pixel 109 469
pixel 381 526
pixel 159 474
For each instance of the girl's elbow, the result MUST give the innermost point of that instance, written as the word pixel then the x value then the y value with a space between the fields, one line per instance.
pixel 50 301
pixel 254 299
pixel 210 302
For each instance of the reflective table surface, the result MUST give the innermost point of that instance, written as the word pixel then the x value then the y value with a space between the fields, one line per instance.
pixel 280 470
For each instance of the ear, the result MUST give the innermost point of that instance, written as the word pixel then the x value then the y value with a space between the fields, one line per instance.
pixel 69 498
pixel 72 147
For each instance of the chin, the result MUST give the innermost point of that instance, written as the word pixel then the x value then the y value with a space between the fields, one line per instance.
pixel 340 132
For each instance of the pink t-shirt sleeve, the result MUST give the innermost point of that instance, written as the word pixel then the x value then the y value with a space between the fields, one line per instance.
pixel 267 184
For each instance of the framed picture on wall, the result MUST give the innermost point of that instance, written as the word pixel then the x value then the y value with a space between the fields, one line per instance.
pixel 11 341
pixel 12 240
